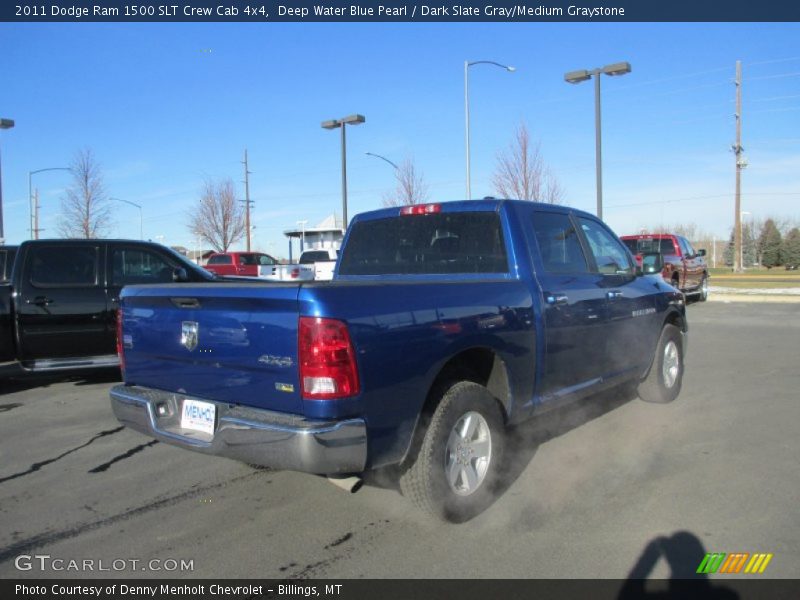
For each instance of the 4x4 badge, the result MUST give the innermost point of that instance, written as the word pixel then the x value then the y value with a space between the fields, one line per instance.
pixel 189 331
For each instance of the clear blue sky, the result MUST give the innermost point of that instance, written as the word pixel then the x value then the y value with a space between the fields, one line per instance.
pixel 165 106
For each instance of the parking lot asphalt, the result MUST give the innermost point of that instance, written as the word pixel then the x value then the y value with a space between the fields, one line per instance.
pixel 593 490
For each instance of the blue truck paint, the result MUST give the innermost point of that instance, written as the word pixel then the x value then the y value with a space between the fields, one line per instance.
pixel 553 337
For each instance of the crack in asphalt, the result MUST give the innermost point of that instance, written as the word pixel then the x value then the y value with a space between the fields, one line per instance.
pixel 362 539
pixel 38 465
pixel 8 407
pixel 135 450
pixel 47 538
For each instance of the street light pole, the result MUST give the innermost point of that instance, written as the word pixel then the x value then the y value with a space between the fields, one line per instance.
pixel 303 235
pixel 33 217
pixel 614 69
pixel 4 124
pixel 467 65
pixel 342 123
pixel 141 231
pixel 742 213
pixel 598 148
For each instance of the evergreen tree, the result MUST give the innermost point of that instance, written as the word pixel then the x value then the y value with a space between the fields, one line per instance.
pixel 727 256
pixel 770 244
pixel 790 250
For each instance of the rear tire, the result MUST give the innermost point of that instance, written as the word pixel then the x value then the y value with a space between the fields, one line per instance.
pixel 663 382
pixel 456 471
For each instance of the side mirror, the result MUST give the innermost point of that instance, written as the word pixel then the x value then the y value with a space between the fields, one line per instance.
pixel 701 252
pixel 652 262
pixel 179 275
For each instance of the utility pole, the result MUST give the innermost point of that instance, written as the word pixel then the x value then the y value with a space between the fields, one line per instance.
pixel 36 214
pixel 740 164
pixel 247 198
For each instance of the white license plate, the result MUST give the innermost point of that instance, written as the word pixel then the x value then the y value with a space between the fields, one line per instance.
pixel 198 416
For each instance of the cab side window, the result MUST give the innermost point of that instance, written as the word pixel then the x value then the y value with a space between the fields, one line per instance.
pixel 610 255
pixel 687 248
pixel 558 243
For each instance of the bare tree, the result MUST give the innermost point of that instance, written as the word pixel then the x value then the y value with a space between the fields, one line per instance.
pixel 85 212
pixel 411 187
pixel 219 219
pixel 522 173
pixel 688 230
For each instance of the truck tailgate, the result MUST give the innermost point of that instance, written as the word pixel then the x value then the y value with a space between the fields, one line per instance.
pixel 232 343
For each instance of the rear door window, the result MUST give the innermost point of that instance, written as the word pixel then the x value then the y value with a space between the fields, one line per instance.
pixel 63 266
pixel 558 243
pixel 439 243
pixel 220 259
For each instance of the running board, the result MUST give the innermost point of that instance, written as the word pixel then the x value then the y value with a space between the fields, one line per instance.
pixel 66 364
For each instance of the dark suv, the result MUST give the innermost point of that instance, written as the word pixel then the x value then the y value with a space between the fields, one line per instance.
pixel 684 267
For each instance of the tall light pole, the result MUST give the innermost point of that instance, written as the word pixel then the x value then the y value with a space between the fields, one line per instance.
pixel 4 124
pixel 741 163
pixel 467 65
pixel 742 213
pixel 303 235
pixel 620 68
pixel 34 209
pixel 141 234
pixel 342 123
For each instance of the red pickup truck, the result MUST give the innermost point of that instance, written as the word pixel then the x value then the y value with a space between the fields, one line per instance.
pixel 684 267
pixel 244 264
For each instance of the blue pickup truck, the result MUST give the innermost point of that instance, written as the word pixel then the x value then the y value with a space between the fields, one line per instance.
pixel 444 324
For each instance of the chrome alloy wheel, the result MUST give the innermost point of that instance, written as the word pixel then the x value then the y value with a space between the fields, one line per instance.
pixel 468 453
pixel 671 364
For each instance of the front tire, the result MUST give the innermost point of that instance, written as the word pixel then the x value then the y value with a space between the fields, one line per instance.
pixel 703 296
pixel 663 382
pixel 455 473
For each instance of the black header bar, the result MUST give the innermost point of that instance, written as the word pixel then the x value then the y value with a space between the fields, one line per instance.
pixel 395 11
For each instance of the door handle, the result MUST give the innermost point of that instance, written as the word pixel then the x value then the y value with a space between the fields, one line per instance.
pixel 614 294
pixel 556 299
pixel 40 301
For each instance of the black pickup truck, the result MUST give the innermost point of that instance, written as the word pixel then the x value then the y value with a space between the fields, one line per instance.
pixel 59 298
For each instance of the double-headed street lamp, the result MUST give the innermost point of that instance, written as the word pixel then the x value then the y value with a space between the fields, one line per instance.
pixel 141 231
pixel 34 209
pixel 4 124
pixel 620 68
pixel 467 65
pixel 341 123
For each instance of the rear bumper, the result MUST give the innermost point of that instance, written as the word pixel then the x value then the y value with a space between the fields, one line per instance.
pixel 251 435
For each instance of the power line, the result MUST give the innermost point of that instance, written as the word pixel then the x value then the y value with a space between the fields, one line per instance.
pixel 710 197
pixel 779 76
pixel 773 61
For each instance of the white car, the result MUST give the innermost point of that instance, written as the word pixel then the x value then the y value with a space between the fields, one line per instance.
pixel 324 262
pixel 314 264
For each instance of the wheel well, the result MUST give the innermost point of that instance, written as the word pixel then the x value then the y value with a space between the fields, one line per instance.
pixel 479 365
pixel 677 320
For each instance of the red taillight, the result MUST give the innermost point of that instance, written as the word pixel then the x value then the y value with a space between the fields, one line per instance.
pixel 327 359
pixel 421 209
pixel 120 352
